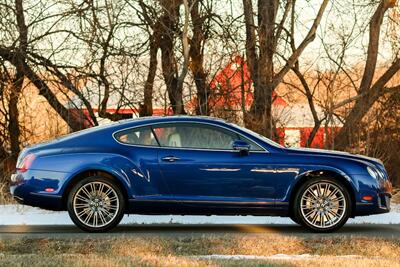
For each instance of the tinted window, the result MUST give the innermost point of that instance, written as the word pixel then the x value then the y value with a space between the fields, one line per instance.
pixel 137 136
pixel 256 135
pixel 196 135
pixel 191 135
pixel 253 146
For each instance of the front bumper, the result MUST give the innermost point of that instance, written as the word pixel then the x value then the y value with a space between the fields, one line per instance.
pixel 381 193
pixel 380 205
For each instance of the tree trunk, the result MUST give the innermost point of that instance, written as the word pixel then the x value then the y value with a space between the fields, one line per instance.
pixel 261 65
pixel 260 116
pixel 13 116
pixel 169 65
pixel 146 109
pixel 197 59
pixel 155 34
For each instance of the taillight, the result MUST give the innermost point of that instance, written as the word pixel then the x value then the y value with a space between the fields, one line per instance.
pixel 25 163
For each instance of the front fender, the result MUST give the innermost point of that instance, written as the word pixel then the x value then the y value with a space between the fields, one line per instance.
pixel 320 170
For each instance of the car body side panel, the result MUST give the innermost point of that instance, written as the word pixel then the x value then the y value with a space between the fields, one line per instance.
pixel 140 176
pixel 217 174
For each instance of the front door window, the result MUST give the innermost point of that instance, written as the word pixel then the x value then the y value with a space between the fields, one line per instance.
pixel 197 136
pixel 194 136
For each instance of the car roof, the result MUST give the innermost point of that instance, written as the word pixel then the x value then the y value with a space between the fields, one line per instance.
pixel 163 119
pixel 170 118
pixel 119 125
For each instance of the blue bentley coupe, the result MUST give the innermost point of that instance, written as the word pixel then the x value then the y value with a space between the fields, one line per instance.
pixel 197 166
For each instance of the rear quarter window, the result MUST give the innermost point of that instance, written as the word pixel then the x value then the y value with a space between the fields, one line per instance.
pixel 137 136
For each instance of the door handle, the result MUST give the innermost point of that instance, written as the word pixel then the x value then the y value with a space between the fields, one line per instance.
pixel 170 158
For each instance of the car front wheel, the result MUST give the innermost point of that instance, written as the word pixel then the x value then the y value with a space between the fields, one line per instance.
pixel 96 204
pixel 322 205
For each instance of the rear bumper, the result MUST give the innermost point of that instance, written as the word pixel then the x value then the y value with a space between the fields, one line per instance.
pixel 41 201
pixel 23 194
pixel 28 189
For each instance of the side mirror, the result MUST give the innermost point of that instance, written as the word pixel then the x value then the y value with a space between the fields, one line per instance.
pixel 242 147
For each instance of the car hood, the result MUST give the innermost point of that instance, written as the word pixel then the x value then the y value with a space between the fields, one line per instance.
pixel 333 153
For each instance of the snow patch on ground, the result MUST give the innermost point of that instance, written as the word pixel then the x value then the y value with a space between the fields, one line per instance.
pixel 272 257
pixel 25 215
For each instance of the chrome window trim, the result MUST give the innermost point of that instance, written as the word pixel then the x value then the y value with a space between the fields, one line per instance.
pixel 183 148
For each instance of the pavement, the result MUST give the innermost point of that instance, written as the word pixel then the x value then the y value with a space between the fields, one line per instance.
pixel 176 230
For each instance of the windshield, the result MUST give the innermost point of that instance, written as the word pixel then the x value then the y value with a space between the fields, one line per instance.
pixel 259 136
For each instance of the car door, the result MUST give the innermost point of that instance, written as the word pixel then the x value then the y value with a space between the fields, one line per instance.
pixel 199 165
pixel 141 147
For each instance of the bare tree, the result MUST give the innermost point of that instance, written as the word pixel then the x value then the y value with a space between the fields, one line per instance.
pixel 369 90
pixel 201 15
pixel 173 79
pixel 20 54
pixel 262 40
pixel 102 32
pixel 152 21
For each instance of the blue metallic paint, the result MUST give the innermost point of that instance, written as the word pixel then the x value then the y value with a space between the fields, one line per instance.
pixel 201 181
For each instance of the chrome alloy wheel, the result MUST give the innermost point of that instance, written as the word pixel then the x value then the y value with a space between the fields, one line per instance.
pixel 323 205
pixel 96 204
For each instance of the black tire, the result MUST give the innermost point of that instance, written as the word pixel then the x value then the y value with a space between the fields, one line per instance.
pixel 301 215
pixel 117 212
pixel 294 219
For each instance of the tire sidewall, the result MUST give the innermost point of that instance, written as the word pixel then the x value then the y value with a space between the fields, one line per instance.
pixel 120 212
pixel 297 202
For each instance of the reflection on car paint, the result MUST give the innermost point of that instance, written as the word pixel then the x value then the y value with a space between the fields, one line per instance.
pixel 276 170
pixel 220 170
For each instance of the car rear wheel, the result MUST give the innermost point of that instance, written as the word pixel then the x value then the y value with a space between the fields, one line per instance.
pixel 96 204
pixel 322 205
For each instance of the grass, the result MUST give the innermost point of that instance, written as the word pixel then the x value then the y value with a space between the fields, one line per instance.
pixel 5 197
pixel 180 251
pixel 396 196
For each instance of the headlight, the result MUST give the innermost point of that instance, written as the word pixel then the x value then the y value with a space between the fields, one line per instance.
pixel 372 172
pixel 381 173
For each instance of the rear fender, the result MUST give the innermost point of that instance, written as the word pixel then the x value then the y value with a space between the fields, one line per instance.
pixel 113 164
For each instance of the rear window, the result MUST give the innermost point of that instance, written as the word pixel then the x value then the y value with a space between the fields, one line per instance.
pixel 138 136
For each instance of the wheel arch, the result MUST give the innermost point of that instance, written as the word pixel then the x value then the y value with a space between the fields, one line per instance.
pixel 89 173
pixel 327 173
